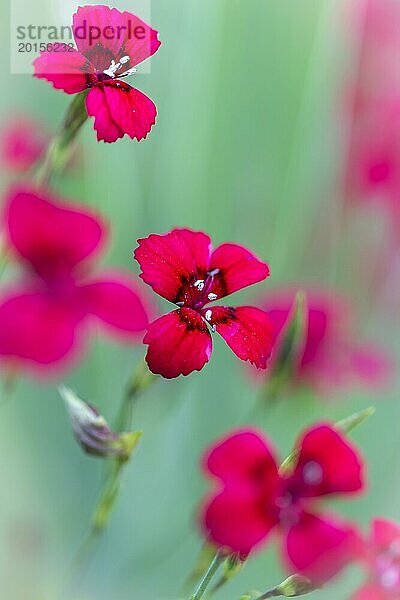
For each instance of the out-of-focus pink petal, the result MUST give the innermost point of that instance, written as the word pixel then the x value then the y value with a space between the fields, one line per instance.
pixel 52 236
pixel 67 71
pixel 179 343
pixel 236 268
pixel 36 329
pixel 320 548
pixel 236 521
pixel 119 110
pixel 117 303
pixel 370 591
pixel 243 457
pixel 384 533
pixel 327 464
pixel 371 365
pixel 103 34
pixel 247 331
pixel 173 260
pixel 23 142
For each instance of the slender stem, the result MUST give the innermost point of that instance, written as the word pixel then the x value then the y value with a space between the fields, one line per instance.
pixel 140 380
pixel 271 594
pixel 208 576
pixel 59 150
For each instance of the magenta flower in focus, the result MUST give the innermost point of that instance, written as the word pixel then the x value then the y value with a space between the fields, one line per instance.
pixel 182 267
pixel 382 557
pixel 42 318
pixel 253 499
pixel 23 143
pixel 332 357
pixel 109 44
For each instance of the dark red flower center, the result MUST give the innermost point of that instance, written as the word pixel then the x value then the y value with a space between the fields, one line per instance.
pixel 198 291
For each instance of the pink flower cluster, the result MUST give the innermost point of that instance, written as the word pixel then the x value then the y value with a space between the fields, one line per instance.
pixel 46 317
pixel 254 499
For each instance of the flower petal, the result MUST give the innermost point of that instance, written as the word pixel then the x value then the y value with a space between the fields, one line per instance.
pixel 52 236
pixel 247 331
pixel 235 520
pixel 327 464
pixel 103 34
pixel 237 268
pixel 179 343
pixel 243 456
pixel 97 107
pixel 371 365
pixel 119 109
pixel 37 330
pixel 384 533
pixel 23 142
pixel 320 548
pixel 171 261
pixel 67 71
pixel 117 303
pixel 370 591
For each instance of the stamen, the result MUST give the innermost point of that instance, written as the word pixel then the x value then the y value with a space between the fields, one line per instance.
pixel 208 315
pixel 212 296
pixel 113 68
pixel 179 303
pixel 199 284
pixel 213 272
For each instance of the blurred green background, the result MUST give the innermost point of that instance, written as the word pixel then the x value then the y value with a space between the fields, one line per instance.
pixel 248 146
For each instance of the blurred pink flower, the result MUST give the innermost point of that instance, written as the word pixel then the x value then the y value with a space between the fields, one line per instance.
pixel 373 169
pixel 332 356
pixel 382 558
pixel 42 318
pixel 253 498
pixel 23 142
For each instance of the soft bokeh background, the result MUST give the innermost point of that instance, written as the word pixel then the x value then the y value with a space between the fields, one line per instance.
pixel 249 146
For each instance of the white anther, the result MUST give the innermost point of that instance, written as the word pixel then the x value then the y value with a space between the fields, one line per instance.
pixel 214 328
pixel 124 59
pixel 212 296
pixel 179 303
pixel 213 272
pixel 199 284
pixel 208 315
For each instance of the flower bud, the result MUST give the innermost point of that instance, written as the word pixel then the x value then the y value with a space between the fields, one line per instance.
pixel 92 431
pixel 295 585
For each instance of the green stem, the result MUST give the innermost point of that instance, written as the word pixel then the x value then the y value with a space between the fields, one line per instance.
pixel 271 594
pixel 59 150
pixel 208 576
pixel 141 379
